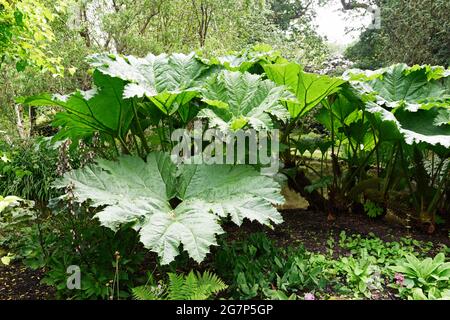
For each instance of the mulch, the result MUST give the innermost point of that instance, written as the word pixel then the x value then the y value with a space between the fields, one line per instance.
pixel 18 282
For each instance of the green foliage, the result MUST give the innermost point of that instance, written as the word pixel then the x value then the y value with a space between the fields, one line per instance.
pixel 423 279
pixel 372 209
pixel 163 93
pixel 98 110
pixel 194 286
pixel 15 214
pixel 412 33
pixel 403 107
pixel 373 262
pixel 434 294
pixel 250 59
pixel 385 252
pixel 21 231
pixel 8 201
pixel 25 34
pixel 140 193
pixel 28 170
pixel 237 100
pixel 313 142
pixel 65 234
pixel 169 82
pixel 310 89
pixel 366 53
pixel 107 259
pixel 358 274
pixel 259 269
pixel 374 122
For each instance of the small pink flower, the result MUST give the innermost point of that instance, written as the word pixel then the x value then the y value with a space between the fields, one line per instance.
pixel 399 279
pixel 310 296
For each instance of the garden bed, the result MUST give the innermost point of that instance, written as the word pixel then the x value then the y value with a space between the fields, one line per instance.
pixel 300 227
pixel 312 229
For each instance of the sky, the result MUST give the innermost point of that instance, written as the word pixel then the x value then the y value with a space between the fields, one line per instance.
pixel 332 22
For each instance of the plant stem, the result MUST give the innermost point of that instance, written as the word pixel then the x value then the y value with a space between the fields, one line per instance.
pixel 405 172
pixel 124 145
pixel 139 128
pixel 437 196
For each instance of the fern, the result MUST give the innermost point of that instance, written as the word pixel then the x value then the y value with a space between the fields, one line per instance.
pixel 211 281
pixel 177 287
pixel 194 286
pixel 144 293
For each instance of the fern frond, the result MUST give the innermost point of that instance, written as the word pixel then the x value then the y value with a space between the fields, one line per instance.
pixel 191 288
pixel 144 293
pixel 176 290
pixel 212 281
pixel 194 286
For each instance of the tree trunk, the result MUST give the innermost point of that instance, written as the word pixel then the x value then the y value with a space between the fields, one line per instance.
pixel 32 115
pixel 19 117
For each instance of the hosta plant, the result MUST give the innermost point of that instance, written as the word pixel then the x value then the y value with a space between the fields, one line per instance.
pixel 171 205
pixel 434 294
pixel 423 278
pixel 360 274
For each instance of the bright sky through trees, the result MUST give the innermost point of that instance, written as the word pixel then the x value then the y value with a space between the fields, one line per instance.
pixel 333 23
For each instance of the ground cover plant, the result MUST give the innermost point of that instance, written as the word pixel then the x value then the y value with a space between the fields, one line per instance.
pixel 125 186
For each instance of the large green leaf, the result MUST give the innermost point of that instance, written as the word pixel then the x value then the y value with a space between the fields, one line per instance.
pixel 130 189
pixel 101 109
pixel 234 191
pixel 310 89
pixel 168 81
pixel 250 60
pixel 348 122
pixel 414 88
pixel 237 99
pixel 414 127
pixel 189 224
pixel 414 101
pixel 138 192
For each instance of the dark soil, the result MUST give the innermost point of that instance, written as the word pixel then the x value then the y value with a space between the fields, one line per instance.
pixel 21 283
pixel 312 229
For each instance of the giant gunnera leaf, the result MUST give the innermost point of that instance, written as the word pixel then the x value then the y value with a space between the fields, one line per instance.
pixel 249 59
pixel 142 193
pixel 169 81
pixel 414 88
pixel 412 103
pixel 235 100
pixel 310 89
pixel 101 109
pixel 423 126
